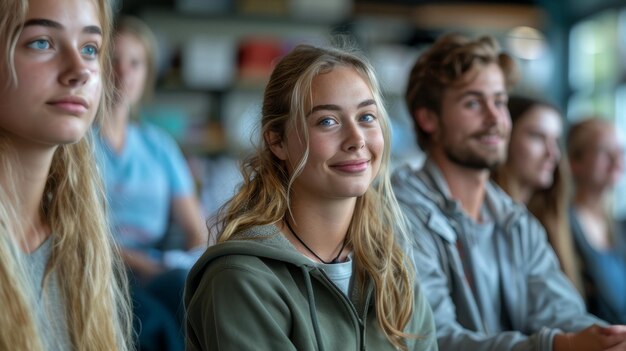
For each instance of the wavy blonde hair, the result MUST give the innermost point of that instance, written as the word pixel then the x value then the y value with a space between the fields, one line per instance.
pixel 264 195
pixel 91 277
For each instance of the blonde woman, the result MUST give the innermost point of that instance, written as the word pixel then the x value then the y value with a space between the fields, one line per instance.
pixel 61 285
pixel 307 258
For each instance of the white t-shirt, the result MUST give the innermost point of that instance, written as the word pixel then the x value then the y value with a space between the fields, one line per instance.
pixel 339 273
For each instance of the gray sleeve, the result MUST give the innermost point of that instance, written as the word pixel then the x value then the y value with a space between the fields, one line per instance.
pixel 430 261
pixel 552 299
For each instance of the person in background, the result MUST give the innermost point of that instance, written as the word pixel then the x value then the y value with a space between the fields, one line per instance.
pixel 483 260
pixel 536 175
pixel 148 183
pixel 308 255
pixel 62 283
pixel 596 157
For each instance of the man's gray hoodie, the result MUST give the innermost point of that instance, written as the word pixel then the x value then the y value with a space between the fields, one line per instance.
pixel 535 298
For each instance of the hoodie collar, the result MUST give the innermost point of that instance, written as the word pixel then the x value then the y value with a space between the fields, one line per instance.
pixel 503 210
pixel 265 241
pixel 433 177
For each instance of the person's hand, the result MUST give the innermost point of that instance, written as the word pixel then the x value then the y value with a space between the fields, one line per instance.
pixel 618 332
pixel 593 338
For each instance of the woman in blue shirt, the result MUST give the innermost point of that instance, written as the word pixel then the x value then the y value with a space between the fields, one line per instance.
pixel 148 184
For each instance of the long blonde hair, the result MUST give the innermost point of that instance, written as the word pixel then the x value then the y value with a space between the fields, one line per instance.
pixel 91 277
pixel 264 195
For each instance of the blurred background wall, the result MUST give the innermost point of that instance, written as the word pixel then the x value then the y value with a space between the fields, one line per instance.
pixel 216 55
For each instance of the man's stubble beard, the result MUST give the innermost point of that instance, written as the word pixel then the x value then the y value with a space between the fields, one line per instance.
pixel 469 159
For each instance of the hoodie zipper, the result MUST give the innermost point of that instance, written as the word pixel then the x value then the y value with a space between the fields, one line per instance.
pixel 365 311
pixel 350 305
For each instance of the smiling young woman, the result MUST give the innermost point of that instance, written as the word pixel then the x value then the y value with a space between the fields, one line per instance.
pixel 308 256
pixel 60 276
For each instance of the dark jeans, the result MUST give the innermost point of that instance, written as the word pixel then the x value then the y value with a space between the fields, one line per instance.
pixel 158 312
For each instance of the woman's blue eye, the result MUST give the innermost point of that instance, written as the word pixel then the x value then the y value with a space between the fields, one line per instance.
pixel 368 118
pixel 327 122
pixel 90 50
pixel 39 44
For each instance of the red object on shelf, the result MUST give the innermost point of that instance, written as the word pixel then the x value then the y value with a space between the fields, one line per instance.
pixel 257 57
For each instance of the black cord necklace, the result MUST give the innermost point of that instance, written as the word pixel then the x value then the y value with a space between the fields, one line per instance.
pixel 335 260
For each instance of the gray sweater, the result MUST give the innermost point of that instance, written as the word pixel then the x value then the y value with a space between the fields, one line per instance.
pixel 48 306
pixel 502 292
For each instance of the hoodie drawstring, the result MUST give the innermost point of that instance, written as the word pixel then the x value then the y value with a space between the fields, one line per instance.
pixel 312 308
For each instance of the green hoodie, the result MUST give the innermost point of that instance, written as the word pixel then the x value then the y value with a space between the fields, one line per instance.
pixel 258 292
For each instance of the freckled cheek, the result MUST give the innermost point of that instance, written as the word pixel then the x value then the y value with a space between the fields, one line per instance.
pixel 377 150
pixel 376 142
pixel 94 88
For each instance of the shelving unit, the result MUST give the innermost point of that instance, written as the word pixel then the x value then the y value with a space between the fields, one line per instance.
pixel 209 98
pixel 213 69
